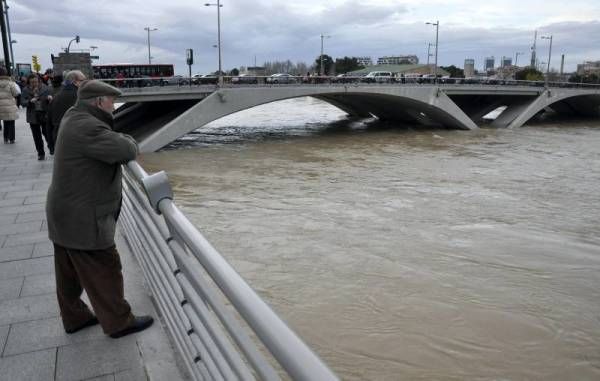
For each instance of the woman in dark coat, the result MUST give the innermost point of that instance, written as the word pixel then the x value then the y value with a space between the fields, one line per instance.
pixel 35 97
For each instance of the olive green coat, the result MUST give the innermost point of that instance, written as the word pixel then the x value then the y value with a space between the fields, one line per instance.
pixel 84 198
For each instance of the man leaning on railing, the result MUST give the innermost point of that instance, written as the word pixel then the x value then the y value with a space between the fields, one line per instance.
pixel 84 202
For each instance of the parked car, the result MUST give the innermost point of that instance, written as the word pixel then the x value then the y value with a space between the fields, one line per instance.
pixel 378 77
pixel 281 78
pixel 244 79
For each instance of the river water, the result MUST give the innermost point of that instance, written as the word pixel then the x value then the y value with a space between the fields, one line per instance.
pixel 400 253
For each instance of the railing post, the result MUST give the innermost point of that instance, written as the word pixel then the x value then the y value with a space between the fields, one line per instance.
pixel 158 188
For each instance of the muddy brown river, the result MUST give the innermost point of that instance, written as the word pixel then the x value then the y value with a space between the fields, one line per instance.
pixel 401 253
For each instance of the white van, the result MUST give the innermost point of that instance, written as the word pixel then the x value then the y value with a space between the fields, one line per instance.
pixel 379 77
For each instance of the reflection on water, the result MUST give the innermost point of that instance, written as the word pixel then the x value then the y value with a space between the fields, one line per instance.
pixel 401 253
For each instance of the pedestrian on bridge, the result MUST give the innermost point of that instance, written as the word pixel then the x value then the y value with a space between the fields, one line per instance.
pixel 35 97
pixel 82 208
pixel 63 100
pixel 9 90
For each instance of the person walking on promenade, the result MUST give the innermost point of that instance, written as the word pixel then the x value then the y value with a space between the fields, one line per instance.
pixel 9 90
pixel 63 100
pixel 56 82
pixel 82 207
pixel 35 97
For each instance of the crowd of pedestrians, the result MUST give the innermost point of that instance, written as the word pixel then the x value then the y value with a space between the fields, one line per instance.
pixel 44 97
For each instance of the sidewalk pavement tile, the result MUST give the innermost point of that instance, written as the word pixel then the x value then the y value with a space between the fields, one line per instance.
pixel 15 269
pixel 47 333
pixel 23 239
pixel 31 216
pixel 43 249
pixel 27 193
pixel 12 201
pixel 34 366
pixel 108 377
pixel 35 200
pixel 38 285
pixel 22 228
pixel 79 361
pixel 7 220
pixel 15 253
pixel 3 336
pixel 10 288
pixel 28 308
pixel 22 209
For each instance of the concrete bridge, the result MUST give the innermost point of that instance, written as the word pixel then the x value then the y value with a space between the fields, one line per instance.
pixel 157 116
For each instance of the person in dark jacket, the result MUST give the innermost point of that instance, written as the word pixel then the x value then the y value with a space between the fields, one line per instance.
pixel 82 207
pixel 63 100
pixel 56 82
pixel 35 97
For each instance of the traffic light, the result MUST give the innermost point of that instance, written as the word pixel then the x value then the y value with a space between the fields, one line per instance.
pixel 36 64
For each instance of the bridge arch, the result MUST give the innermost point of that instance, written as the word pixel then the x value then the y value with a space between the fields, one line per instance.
pixel 562 101
pixel 423 105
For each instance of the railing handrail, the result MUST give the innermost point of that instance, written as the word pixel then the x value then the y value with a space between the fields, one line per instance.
pixel 262 80
pixel 286 347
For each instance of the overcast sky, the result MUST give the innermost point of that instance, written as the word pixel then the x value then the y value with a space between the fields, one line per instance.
pixel 280 30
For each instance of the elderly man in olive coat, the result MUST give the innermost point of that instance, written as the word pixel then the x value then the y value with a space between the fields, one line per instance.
pixel 84 201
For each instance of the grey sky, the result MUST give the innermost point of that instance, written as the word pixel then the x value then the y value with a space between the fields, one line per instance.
pixel 273 30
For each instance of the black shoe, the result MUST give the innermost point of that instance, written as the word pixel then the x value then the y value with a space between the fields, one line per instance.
pixel 51 152
pixel 12 142
pixel 41 157
pixel 89 323
pixel 139 323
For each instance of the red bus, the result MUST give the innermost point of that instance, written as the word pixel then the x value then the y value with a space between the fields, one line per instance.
pixel 132 71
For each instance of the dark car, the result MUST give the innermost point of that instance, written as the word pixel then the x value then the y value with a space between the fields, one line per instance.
pixel 206 79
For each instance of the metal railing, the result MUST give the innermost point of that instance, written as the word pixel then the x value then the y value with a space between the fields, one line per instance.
pixel 262 81
pixel 221 327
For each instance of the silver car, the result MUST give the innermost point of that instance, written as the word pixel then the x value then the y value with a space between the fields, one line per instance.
pixel 281 78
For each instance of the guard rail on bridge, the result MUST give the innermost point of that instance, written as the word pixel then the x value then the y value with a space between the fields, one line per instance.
pixel 256 81
pixel 218 323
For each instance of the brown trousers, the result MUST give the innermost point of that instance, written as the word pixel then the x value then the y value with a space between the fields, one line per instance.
pixel 98 272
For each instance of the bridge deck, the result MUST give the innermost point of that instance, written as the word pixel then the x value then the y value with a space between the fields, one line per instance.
pixel 33 344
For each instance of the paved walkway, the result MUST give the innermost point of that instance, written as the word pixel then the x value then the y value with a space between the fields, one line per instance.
pixel 33 344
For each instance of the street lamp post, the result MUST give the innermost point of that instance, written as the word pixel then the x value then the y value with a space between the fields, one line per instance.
pixel 76 39
pixel 322 71
pixel 517 54
pixel 437 32
pixel 218 5
pixel 549 57
pixel 148 29
pixel 429 45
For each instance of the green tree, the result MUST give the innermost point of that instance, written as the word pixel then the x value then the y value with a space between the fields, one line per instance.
pixel 327 63
pixel 529 74
pixel 454 71
pixel 234 72
pixel 346 64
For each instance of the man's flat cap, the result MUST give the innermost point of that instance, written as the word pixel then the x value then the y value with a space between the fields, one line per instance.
pixel 94 88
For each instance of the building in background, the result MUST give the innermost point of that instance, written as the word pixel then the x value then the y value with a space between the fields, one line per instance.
pixel 469 68
pixel 589 67
pixel 364 61
pixel 506 61
pixel 73 61
pixel 489 64
pixel 398 60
